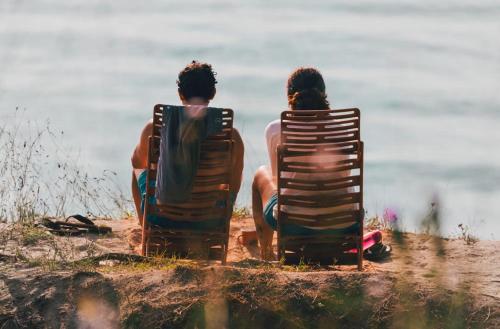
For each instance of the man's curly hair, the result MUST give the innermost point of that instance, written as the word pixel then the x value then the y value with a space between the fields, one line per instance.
pixel 197 80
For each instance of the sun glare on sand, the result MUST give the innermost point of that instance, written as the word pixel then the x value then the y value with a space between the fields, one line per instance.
pixel 94 313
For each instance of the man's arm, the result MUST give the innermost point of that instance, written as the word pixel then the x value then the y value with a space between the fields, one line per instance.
pixel 140 154
pixel 237 163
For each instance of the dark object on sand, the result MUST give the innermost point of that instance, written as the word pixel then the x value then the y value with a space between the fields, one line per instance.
pixel 84 226
pixel 168 228
pixel 378 252
pixel 321 158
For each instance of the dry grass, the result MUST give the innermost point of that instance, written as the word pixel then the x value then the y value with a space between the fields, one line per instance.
pixel 41 176
pixel 241 212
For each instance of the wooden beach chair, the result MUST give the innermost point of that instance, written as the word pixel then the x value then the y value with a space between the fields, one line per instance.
pixel 210 202
pixel 314 238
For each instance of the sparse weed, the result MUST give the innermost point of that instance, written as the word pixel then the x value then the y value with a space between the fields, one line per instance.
pixel 466 235
pixel 389 221
pixel 373 223
pixel 147 264
pixel 302 266
pixel 31 234
pixel 241 212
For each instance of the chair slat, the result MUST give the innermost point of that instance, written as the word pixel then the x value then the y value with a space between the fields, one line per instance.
pixel 319 201
pixel 302 241
pixel 191 216
pixel 326 221
pixel 352 112
pixel 320 184
pixel 319 127
pixel 327 217
pixel 291 132
pixel 318 169
pixel 326 181
pixel 321 149
pixel 326 225
pixel 317 139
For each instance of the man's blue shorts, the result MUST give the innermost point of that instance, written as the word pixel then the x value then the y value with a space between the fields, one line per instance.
pixel 292 229
pixel 173 224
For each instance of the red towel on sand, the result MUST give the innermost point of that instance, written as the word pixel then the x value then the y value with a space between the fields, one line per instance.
pixel 369 240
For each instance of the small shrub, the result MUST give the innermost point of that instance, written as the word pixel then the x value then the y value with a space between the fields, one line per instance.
pixel 241 212
pixel 466 235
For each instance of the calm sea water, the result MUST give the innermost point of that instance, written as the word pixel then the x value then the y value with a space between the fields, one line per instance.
pixel 425 74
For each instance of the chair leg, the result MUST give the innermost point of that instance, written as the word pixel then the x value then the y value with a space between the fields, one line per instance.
pixel 360 254
pixel 148 239
pixel 143 251
pixel 143 241
pixel 224 254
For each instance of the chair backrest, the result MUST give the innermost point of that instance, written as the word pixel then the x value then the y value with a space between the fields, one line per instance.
pixel 320 169
pixel 210 195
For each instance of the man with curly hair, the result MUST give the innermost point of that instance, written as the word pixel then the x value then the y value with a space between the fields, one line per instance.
pixel 196 88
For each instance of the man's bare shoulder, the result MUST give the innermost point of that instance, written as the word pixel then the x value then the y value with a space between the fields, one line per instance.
pixel 237 137
pixel 238 145
pixel 236 133
pixel 147 130
pixel 149 125
pixel 140 154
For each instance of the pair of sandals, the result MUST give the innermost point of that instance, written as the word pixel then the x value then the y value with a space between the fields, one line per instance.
pixel 378 252
pixel 83 226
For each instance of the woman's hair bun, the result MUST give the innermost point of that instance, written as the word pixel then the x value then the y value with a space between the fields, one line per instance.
pixel 308 99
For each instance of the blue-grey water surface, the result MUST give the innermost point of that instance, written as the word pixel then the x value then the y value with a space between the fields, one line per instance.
pixel 426 75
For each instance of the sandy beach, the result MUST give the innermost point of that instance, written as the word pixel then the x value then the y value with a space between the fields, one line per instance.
pixel 40 290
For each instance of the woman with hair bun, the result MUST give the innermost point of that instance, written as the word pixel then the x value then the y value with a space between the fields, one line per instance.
pixel 305 91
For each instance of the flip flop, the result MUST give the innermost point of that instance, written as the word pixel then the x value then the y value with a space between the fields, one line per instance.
pixel 81 219
pixel 66 231
pixel 87 224
pixel 377 252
